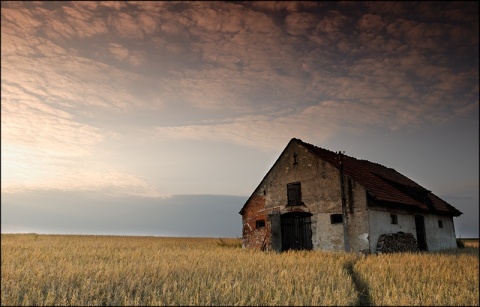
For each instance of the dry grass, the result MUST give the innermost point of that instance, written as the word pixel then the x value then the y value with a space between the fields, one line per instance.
pixel 109 270
pixel 102 270
pixel 470 242
pixel 448 278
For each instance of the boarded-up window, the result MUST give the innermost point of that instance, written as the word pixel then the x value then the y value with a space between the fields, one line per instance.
pixel 294 194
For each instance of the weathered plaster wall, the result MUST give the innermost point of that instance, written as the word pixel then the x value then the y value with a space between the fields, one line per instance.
pixel 380 223
pixel 358 229
pixel 439 238
pixel 321 195
pixel 327 236
pixel 315 187
pixel 320 185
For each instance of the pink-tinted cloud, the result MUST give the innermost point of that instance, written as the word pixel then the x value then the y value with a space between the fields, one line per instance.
pixel 19 20
pixel 118 51
pixel 114 5
pixel 300 23
pixel 147 23
pixel 247 73
pixel 333 22
pixel 289 6
pixel 371 22
pixel 126 26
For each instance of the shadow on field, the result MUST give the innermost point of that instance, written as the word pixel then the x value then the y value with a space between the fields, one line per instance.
pixel 467 250
pixel 360 286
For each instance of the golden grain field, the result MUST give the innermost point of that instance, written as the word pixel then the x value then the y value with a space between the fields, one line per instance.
pixel 123 270
pixel 449 278
pixel 470 242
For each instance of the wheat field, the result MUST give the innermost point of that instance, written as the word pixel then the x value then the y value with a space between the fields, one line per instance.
pixel 123 270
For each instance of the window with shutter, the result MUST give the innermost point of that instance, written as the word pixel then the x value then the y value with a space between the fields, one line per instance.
pixel 294 194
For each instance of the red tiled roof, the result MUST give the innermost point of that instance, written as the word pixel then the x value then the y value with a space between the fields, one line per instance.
pixel 385 184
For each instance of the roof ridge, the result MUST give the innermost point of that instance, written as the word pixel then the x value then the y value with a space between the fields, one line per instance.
pixel 315 146
pixel 365 160
pixel 383 183
pixel 343 154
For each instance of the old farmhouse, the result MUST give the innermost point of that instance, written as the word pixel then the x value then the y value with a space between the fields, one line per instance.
pixel 313 198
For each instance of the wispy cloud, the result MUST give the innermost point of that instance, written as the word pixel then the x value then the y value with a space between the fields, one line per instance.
pixel 19 174
pixel 253 73
pixel 45 148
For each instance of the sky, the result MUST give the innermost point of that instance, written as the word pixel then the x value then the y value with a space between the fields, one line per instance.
pixel 161 118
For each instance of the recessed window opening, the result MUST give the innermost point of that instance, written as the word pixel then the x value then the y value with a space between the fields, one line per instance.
pixel 260 224
pixel 394 218
pixel 294 194
pixel 440 224
pixel 295 162
pixel 336 219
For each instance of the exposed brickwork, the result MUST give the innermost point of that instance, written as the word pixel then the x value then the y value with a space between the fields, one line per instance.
pixel 256 238
pixel 371 191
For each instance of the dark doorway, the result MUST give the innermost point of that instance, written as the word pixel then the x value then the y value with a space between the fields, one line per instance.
pixel 296 231
pixel 421 237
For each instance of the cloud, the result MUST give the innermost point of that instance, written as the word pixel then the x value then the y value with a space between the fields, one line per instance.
pixel 126 26
pixel 223 55
pixel 387 7
pixel 92 5
pixel 333 22
pixel 83 21
pixel 29 122
pixel 114 5
pixel 289 6
pixel 64 77
pixel 300 23
pixel 147 23
pixel 19 20
pixel 371 22
pixel 266 132
pixel 49 174
pixel 248 73
pixel 118 51
pixel 44 148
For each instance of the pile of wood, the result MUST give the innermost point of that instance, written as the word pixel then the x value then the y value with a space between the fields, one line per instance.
pixel 396 243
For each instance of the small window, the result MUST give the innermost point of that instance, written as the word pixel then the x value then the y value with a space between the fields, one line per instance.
pixel 336 218
pixel 440 224
pixel 294 194
pixel 394 218
pixel 260 223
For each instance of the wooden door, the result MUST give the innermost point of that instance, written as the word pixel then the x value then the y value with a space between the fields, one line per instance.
pixel 296 231
pixel 420 228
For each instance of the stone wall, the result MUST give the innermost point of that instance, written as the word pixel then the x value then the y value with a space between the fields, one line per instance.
pixel 321 196
pixel 253 237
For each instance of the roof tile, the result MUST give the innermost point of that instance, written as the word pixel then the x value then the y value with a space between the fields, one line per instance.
pixel 385 184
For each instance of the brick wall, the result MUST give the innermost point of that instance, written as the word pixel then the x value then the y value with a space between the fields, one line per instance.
pixel 254 237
